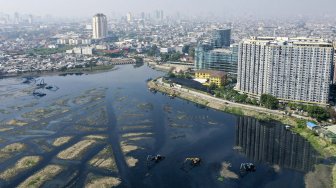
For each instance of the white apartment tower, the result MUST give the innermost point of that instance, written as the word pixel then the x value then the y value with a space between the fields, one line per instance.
pixel 291 69
pixel 99 26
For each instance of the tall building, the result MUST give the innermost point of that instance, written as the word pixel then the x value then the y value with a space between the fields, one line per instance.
pixel 99 26
pixel 220 59
pixel 129 17
pixel 291 69
pixel 221 38
pixel 271 143
pixel 334 67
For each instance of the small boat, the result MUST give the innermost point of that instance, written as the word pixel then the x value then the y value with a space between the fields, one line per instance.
pixel 155 158
pixel 194 161
pixel 39 94
pixel 49 87
pixel 247 167
pixel 288 127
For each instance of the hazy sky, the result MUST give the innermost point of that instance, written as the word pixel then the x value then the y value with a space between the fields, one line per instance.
pixel 81 8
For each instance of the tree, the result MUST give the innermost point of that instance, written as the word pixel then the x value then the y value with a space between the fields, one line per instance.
pixel 321 114
pixel 152 51
pixel 212 86
pixel 192 52
pixel 171 75
pixel 241 98
pixel 185 49
pixel 175 56
pixel 269 101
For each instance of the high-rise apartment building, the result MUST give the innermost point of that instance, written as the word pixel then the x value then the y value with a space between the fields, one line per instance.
pixel 334 65
pixel 292 69
pixel 220 59
pixel 99 26
pixel 221 38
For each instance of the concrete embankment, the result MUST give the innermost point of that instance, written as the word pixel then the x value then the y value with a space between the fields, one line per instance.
pixel 324 147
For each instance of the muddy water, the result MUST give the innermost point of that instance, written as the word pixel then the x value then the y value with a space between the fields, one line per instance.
pixel 119 106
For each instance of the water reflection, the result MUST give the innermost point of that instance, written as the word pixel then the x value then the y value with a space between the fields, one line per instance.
pixel 271 143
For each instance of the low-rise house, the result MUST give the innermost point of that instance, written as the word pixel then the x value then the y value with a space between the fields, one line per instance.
pixel 208 77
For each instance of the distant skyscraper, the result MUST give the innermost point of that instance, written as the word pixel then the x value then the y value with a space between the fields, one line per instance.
pixel 161 15
pixel 129 17
pixel 221 38
pixel 292 69
pixel 143 15
pixel 99 26
pixel 16 18
pixel 30 19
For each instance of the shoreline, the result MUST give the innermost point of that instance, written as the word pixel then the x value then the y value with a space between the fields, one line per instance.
pixel 322 146
pixel 98 69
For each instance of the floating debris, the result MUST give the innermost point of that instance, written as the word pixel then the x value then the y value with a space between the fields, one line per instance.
pixel 191 162
pixel 225 171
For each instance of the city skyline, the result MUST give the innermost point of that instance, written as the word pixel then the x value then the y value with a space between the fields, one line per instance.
pixel 215 8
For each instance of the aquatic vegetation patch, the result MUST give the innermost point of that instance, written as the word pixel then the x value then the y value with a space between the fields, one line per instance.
pixel 127 135
pixel 127 148
pixel 6 129
pixel 167 108
pixel 131 161
pixel 15 147
pixel 105 160
pixel 175 125
pixel 145 106
pixel 39 178
pixel 15 122
pixel 75 151
pixel 97 117
pixel 101 182
pixel 96 137
pixel 61 141
pixel 23 164
pixel 43 113
pixel 127 128
pixel 178 136
pixel 182 116
pixel 3 111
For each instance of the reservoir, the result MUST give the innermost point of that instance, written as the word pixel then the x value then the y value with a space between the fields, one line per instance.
pixel 102 127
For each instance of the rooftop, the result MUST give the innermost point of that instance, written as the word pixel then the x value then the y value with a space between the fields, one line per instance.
pixel 286 41
pixel 212 73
